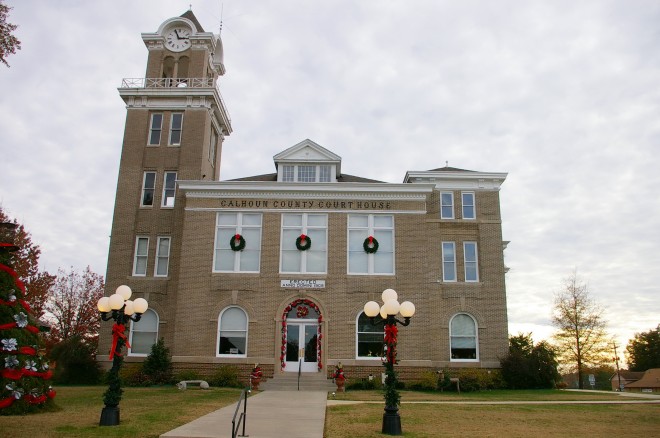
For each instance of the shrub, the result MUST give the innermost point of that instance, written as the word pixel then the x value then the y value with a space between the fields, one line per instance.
pixel 226 376
pixel 428 381
pixel 75 363
pixel 158 365
pixel 363 384
pixel 474 379
pixel 186 375
pixel 133 375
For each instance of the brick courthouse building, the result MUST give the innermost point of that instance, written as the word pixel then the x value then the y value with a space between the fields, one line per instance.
pixel 229 277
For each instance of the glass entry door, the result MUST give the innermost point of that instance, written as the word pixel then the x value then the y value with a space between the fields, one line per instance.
pixel 301 347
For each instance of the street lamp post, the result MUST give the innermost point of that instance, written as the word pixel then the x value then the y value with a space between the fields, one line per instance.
pixel 388 312
pixel 119 308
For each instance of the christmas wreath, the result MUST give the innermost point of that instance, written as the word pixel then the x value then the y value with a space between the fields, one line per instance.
pixel 370 245
pixel 237 243
pixel 302 311
pixel 303 242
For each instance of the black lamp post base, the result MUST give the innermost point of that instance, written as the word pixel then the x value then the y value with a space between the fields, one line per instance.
pixel 391 421
pixel 109 416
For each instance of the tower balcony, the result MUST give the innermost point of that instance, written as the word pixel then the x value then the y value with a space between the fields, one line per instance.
pixel 176 93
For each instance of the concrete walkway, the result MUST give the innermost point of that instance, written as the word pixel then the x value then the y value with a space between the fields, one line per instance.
pixel 270 414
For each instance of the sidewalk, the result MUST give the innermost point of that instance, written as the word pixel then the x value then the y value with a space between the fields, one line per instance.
pixel 270 414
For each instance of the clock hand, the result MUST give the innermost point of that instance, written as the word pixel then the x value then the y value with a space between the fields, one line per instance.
pixel 176 32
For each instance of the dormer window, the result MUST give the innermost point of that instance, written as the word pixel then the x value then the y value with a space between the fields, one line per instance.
pixel 306 173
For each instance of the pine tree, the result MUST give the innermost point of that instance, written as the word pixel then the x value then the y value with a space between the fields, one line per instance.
pixel 24 372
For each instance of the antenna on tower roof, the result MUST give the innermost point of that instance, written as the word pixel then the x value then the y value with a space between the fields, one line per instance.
pixel 222 9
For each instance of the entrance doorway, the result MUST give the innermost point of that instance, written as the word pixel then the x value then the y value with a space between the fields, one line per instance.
pixel 301 347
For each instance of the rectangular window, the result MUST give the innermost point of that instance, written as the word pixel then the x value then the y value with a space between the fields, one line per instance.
pixel 155 128
pixel 306 173
pixel 324 173
pixel 175 129
pixel 169 189
pixel 140 257
pixel 248 227
pixel 148 189
pixel 313 259
pixel 471 263
pixel 287 173
pixel 448 261
pixel 162 257
pixel 381 228
pixel 446 205
pixel 467 199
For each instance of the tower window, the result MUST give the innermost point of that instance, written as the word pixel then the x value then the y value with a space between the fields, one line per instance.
pixel 324 174
pixel 162 257
pixel 148 187
pixel 140 257
pixel 175 129
pixel 155 128
pixel 306 173
pixel 447 205
pixel 288 173
pixel 169 189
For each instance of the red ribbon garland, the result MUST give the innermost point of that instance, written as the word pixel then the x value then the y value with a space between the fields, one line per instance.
pixel 30 351
pixel 16 374
pixel 13 273
pixel 5 403
pixel 391 332
pixel 12 325
pixel 117 332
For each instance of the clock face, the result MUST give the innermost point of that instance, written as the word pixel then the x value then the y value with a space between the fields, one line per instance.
pixel 178 39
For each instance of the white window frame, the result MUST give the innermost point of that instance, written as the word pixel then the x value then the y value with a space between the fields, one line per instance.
pixel 136 255
pixel 313 172
pixel 219 330
pixel 145 188
pixel 213 147
pixel 442 216
pixel 357 338
pixel 476 338
pixel 474 262
pixel 291 172
pixel 464 204
pixel 453 262
pixel 172 130
pixel 130 336
pixel 370 229
pixel 238 229
pixel 163 202
pixel 159 258
pixel 304 230
pixel 152 130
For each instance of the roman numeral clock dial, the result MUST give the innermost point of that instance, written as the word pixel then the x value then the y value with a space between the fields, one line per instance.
pixel 178 39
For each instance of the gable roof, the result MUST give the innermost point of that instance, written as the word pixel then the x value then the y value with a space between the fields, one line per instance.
pixel 651 379
pixel 628 375
pixel 307 151
pixel 270 177
pixel 449 169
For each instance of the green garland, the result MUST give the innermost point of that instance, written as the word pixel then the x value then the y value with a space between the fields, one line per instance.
pixel 241 243
pixel 306 239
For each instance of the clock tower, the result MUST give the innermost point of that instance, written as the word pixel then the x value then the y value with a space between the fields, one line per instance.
pixel 176 122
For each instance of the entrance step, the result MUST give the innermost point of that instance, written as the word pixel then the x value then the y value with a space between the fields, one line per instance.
pixel 289 382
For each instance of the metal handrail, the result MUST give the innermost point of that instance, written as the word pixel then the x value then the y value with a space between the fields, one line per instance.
pixel 299 372
pixel 243 417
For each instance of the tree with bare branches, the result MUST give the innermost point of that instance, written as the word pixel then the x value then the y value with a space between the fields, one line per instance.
pixel 581 339
pixel 72 306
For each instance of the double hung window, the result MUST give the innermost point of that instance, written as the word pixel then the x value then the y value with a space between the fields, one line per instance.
pixel 467 201
pixel 228 225
pixel 140 256
pixel 155 129
pixel 446 205
pixel 176 124
pixel 232 332
pixel 162 257
pixel 144 334
pixel 471 261
pixel 312 260
pixel 463 338
pixel 448 261
pixel 360 228
pixel 148 189
pixel 369 337
pixel 169 189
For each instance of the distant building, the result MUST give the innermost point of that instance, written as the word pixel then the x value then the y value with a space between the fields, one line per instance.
pixel 625 377
pixel 650 382
pixel 276 268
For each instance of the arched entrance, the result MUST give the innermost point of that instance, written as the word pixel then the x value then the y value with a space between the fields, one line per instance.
pixel 301 337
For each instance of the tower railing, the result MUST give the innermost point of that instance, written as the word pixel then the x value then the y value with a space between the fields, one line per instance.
pixel 175 83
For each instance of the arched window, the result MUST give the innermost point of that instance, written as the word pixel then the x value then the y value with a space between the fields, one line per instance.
pixel 369 337
pixel 463 338
pixel 144 334
pixel 232 332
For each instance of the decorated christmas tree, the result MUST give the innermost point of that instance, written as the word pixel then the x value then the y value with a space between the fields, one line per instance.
pixel 24 371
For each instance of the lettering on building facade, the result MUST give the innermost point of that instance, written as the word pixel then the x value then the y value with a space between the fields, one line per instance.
pixel 306 204
pixel 303 284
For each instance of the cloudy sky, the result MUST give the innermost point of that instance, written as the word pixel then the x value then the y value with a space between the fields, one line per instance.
pixel 562 95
